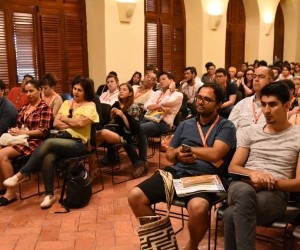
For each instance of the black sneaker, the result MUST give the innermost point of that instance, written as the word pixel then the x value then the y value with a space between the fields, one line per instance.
pixel 109 159
pixel 140 169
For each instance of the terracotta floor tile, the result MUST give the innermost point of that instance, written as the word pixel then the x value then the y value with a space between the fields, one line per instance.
pixel 85 243
pixel 123 228
pixel 49 233
pixel 27 243
pixel 105 238
pixel 57 245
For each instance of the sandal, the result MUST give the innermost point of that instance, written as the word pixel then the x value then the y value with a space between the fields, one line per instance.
pixel 140 169
pixel 5 202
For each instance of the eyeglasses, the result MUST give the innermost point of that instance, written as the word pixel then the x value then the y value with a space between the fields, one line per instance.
pixel 205 100
pixel 219 76
pixel 70 113
pixel 260 76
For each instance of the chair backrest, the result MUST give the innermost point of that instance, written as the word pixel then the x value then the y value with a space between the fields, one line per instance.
pixel 239 96
pixel 93 138
pixel 66 96
pixel 105 110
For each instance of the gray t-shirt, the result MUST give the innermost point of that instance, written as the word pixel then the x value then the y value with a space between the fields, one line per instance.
pixel 274 153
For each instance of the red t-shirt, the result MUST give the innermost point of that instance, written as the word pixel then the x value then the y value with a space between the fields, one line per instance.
pixel 19 100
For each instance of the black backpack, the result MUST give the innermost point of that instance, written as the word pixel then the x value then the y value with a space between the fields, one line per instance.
pixel 78 190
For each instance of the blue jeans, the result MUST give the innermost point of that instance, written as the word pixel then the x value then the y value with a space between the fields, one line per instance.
pixel 48 153
pixel 147 129
pixel 247 210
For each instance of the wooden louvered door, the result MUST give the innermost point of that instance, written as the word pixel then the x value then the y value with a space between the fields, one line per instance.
pixel 235 34
pixel 278 34
pixel 165 35
pixel 48 37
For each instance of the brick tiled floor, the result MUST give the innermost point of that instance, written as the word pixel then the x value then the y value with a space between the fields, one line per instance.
pixel 107 223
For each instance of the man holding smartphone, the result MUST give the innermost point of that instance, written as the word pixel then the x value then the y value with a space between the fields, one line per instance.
pixel 211 140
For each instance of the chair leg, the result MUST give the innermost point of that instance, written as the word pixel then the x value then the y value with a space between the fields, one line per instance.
pixel 209 230
pixel 182 222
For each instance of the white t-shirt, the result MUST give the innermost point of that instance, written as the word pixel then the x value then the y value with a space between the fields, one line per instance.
pixel 274 153
pixel 109 98
pixel 191 91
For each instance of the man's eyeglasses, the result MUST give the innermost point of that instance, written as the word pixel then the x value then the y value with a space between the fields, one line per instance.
pixel 260 76
pixel 219 76
pixel 70 113
pixel 205 100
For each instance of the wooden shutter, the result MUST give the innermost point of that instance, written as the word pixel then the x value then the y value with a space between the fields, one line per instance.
pixel 25 45
pixel 235 34
pixel 3 53
pixel 74 40
pixel 151 6
pixel 151 44
pixel 165 35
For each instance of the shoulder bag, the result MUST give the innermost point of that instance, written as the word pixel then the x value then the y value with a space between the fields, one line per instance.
pixel 160 234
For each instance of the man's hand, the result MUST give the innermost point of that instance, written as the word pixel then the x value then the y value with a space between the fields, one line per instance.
pixel 261 180
pixel 188 157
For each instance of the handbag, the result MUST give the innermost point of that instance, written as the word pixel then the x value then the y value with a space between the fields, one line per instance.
pixel 7 139
pixel 160 234
pixel 154 115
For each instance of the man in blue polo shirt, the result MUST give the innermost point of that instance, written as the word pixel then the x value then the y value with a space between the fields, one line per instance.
pixel 211 139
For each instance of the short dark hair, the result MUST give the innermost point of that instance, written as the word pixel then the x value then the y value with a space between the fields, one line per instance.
pixel 289 83
pixel 192 69
pixel 262 63
pixel 29 76
pixel 286 66
pixel 276 68
pixel 167 73
pixel 2 85
pixel 34 82
pixel 209 64
pixel 218 90
pixel 222 70
pixel 278 89
pixel 49 79
pixel 246 63
pixel 86 84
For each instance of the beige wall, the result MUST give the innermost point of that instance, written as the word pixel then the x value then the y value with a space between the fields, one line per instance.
pixel 117 46
pixel 112 45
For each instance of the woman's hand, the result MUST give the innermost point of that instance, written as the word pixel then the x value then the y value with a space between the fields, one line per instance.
pixel 119 112
pixel 15 131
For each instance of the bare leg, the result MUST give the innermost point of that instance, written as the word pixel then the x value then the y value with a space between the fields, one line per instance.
pixel 108 136
pixel 6 169
pixel 198 209
pixel 139 203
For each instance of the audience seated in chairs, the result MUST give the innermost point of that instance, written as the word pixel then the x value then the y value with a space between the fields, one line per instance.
pixel 124 119
pixel 111 95
pixel 17 94
pixel 8 111
pixel 75 118
pixel 269 154
pixel 34 120
pixel 54 100
pixel 103 88
pixel 211 139
pixel 169 101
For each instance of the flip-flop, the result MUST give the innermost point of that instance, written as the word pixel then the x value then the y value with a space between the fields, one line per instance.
pixel 5 202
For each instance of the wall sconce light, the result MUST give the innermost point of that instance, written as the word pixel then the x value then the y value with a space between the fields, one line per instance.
pixel 268 28
pixel 215 21
pixel 126 10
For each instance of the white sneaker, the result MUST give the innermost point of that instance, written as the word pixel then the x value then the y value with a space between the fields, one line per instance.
pixel 48 201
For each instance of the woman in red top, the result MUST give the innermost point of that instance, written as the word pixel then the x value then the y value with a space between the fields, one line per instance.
pixel 17 94
pixel 34 120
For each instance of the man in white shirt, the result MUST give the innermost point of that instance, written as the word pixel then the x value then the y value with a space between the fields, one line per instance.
pixel 170 102
pixel 248 111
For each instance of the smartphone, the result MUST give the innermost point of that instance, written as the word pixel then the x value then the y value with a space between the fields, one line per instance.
pixel 147 219
pixel 185 148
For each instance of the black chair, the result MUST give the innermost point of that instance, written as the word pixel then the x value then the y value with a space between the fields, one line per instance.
pixel 66 96
pixel 282 223
pixel 105 110
pixel 179 202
